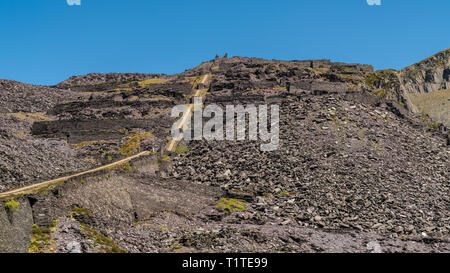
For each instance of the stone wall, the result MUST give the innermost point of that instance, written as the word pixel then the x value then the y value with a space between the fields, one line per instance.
pixel 15 227
pixel 317 87
pixel 76 131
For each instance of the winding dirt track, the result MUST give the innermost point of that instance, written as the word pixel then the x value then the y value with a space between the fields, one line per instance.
pixel 37 186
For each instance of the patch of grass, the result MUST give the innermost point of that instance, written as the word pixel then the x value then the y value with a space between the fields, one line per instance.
pixel 81 145
pixel 90 159
pixel 104 243
pixel 31 117
pixel 376 77
pixel 435 125
pixel 137 84
pixel 316 72
pixel 54 224
pixel 134 142
pixel 232 205
pixel 80 211
pixel 165 158
pixel 127 167
pixel 12 206
pixel 145 83
pixel 181 149
pixel 280 88
pixel 40 231
pixel 41 240
pixel 381 93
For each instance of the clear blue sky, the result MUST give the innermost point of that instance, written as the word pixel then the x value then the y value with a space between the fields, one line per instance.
pixel 46 41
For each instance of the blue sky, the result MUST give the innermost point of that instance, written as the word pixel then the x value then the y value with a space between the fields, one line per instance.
pixel 47 41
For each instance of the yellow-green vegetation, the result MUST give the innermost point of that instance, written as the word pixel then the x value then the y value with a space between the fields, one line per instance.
pixel 181 149
pixel 377 146
pixel 285 193
pixel 41 241
pixel 134 142
pixel 86 143
pixel 12 206
pixel 21 135
pixel 127 167
pixel 435 125
pixel 79 211
pixel 280 88
pixel 231 205
pixel 384 80
pixel 381 75
pixel 145 83
pixel 30 117
pixel 195 80
pixel 435 104
pixel 90 159
pixel 316 72
pixel 175 246
pixel 164 158
pixel 135 84
pixel 122 88
pixel 381 93
pixel 102 243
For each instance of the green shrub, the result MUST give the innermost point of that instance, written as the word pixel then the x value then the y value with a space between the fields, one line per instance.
pixel 12 206
pixel 232 205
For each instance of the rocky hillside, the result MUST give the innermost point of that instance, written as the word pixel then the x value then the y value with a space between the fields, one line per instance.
pixel 431 74
pixel 359 167
pixel 423 88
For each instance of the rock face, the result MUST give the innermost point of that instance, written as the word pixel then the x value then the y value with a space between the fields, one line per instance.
pixel 358 167
pixel 431 74
pixel 423 88
pixel 15 227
